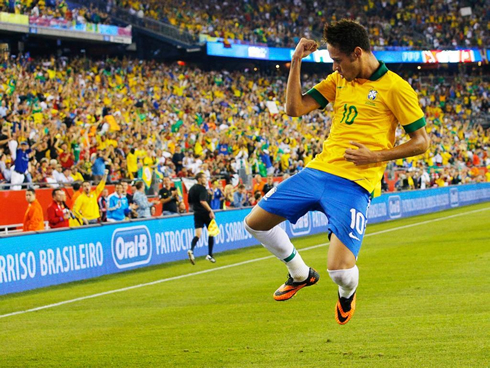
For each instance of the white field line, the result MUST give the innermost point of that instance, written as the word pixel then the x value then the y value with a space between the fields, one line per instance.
pixel 224 267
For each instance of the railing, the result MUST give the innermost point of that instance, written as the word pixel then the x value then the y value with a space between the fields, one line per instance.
pixel 41 185
pixel 17 228
pixel 154 26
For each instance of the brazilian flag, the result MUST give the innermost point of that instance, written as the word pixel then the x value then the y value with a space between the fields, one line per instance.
pixel 199 119
pixel 175 127
pixel 12 85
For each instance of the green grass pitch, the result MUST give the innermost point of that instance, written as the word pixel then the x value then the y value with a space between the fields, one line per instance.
pixel 423 301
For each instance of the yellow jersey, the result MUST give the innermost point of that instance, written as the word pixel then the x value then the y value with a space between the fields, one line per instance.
pixel 87 205
pixel 366 111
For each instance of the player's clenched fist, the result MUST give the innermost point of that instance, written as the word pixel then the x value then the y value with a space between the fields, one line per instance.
pixel 305 47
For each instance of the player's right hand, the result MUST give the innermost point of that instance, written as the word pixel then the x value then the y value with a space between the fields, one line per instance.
pixel 305 47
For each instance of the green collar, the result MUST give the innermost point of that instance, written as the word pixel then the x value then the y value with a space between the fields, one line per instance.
pixel 382 70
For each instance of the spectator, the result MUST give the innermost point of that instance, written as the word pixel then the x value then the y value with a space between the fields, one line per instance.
pixel 57 173
pixel 65 157
pixel 182 208
pixel 129 197
pixel 269 185
pixel 21 160
pixel 256 198
pixel 132 164
pixel 228 196
pixel 103 204
pixel 259 184
pixel 217 196
pixel 240 198
pixel 99 164
pixel 5 170
pixel 76 192
pixel 178 158
pixel 33 218
pixel 75 174
pixel 266 160
pixel 169 198
pixel 67 178
pixel 58 214
pixel 86 207
pixel 118 205
pixel 141 201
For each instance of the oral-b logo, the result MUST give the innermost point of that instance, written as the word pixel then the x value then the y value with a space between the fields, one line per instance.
pixel 395 207
pixel 454 197
pixel 302 226
pixel 131 246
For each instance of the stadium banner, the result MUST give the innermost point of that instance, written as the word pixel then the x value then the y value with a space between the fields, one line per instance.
pixel 397 205
pixel 58 256
pixel 55 257
pixel 14 18
pixel 322 56
pixel 41 25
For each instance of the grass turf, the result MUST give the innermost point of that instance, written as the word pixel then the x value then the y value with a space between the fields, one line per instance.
pixel 423 301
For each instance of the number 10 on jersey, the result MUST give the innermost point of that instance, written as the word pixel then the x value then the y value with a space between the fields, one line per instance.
pixel 350 114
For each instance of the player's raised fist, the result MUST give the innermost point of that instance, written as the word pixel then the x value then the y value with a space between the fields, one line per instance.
pixel 305 47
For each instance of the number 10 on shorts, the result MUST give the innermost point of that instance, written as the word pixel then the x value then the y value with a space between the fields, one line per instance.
pixel 358 221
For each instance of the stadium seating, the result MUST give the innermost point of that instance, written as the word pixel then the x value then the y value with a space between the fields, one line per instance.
pixel 133 114
pixel 393 24
pixel 49 10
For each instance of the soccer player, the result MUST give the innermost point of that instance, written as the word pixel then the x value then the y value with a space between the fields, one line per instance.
pixel 368 101
pixel 203 214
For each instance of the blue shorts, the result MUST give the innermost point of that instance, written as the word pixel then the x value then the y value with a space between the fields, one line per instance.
pixel 344 202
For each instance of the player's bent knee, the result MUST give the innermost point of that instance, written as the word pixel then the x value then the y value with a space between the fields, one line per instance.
pixel 249 228
pixel 252 224
pixel 261 220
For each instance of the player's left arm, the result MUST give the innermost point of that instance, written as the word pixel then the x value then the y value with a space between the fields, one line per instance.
pixel 404 104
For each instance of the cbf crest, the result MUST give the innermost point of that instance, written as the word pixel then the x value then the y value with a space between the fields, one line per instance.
pixel 372 95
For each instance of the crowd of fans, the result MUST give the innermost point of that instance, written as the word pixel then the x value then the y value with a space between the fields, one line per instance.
pixel 57 10
pixel 93 206
pixel 405 24
pixel 65 121
pixel 427 24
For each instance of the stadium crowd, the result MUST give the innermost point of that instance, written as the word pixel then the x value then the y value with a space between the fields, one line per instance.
pixel 56 10
pixel 427 24
pixel 66 121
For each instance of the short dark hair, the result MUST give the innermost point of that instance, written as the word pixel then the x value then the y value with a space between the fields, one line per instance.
pixel 346 35
pixel 76 186
pixel 199 175
pixel 139 185
pixel 53 193
pixel 31 190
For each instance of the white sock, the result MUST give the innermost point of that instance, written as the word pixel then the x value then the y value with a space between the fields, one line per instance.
pixel 346 279
pixel 278 243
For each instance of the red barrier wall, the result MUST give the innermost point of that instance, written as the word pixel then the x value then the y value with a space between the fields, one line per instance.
pixel 13 203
